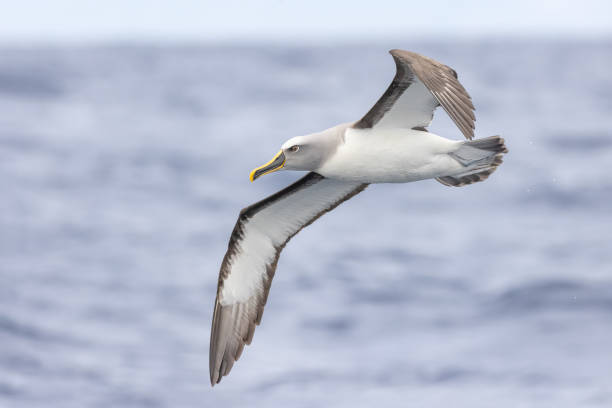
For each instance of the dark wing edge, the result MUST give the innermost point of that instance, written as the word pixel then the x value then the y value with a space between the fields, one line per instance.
pixel 440 80
pixel 402 80
pixel 233 325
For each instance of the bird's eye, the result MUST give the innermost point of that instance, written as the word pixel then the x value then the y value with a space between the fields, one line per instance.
pixel 294 148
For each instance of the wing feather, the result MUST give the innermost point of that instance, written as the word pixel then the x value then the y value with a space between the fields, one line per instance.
pixel 260 234
pixel 420 85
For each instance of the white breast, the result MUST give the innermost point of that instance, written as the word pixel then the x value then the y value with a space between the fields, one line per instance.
pixel 391 156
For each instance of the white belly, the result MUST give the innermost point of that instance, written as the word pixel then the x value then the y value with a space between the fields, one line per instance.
pixel 391 156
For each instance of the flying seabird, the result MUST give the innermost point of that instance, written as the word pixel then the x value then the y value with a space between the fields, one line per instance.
pixel 390 144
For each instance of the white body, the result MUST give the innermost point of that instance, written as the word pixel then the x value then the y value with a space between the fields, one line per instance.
pixel 391 156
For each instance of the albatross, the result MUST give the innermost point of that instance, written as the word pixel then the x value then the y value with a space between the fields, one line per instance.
pixel 390 144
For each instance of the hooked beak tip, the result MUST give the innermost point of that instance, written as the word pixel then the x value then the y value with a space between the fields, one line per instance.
pixel 277 163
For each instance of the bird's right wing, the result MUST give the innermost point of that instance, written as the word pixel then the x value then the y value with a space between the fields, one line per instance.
pixel 420 85
pixel 260 234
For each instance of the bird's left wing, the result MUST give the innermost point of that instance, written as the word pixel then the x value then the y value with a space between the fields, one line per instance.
pixel 420 85
pixel 261 232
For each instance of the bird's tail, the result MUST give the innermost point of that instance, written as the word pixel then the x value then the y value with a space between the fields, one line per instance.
pixel 480 158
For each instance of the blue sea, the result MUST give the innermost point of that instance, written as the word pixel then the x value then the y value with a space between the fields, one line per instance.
pixel 123 169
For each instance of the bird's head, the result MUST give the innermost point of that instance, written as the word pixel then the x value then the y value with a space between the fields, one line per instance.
pixel 297 153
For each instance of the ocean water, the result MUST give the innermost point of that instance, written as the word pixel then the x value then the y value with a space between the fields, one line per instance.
pixel 123 169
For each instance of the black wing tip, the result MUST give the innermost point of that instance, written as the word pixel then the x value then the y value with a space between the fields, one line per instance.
pixel 216 377
pixel 398 51
pixel 404 55
pixel 217 374
pixel 214 380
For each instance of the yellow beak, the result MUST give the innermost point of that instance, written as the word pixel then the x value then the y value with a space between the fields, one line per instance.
pixel 273 165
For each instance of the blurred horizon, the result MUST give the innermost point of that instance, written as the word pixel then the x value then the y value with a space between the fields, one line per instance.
pixel 383 44
pixel 315 22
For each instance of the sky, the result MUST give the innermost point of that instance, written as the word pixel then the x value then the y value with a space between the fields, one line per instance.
pixel 283 20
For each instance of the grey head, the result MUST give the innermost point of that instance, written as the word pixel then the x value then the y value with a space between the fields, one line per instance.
pixel 307 152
